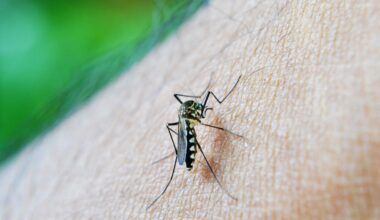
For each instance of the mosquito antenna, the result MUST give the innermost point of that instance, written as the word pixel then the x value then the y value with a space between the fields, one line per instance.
pixel 212 171
pixel 207 87
pixel 237 81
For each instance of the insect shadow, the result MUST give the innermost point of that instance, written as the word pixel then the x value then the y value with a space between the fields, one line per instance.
pixel 190 114
pixel 221 145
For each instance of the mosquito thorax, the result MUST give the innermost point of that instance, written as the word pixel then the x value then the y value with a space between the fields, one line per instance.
pixel 191 110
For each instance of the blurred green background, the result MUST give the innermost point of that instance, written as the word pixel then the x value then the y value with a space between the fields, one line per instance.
pixel 55 54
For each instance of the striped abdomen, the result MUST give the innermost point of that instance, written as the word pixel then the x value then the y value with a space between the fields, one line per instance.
pixel 187 143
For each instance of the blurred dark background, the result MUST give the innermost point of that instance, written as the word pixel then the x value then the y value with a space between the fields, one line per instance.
pixel 55 54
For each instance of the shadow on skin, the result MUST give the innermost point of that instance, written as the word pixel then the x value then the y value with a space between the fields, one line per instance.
pixel 219 148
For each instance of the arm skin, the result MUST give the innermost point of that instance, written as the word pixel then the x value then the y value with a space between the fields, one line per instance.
pixel 308 105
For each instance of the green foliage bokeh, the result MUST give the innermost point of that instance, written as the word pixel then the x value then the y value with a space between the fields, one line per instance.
pixel 45 46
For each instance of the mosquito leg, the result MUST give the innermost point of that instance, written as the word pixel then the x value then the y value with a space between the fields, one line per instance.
pixel 223 129
pixel 173 131
pixel 192 96
pixel 166 187
pixel 220 101
pixel 171 136
pixel 171 154
pixel 176 96
pixel 175 163
pixel 212 171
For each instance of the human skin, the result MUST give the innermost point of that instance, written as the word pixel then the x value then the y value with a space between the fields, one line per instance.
pixel 308 106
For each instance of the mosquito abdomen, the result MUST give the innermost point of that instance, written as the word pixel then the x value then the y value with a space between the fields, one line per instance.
pixel 191 148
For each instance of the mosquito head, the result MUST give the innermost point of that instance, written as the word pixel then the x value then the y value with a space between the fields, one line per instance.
pixel 191 110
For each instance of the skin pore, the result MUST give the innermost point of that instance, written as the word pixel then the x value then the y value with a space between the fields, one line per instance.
pixel 307 104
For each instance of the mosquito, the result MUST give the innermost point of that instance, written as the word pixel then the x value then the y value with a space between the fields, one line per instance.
pixel 190 114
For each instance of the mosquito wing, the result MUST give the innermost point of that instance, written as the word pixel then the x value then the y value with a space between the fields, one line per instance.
pixel 182 141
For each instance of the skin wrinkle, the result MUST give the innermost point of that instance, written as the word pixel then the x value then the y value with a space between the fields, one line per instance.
pixel 310 117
